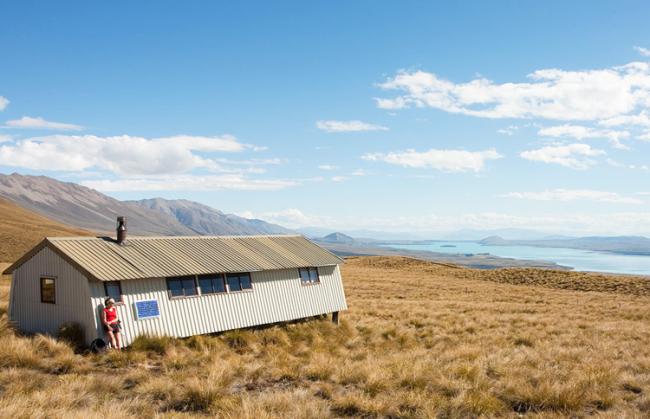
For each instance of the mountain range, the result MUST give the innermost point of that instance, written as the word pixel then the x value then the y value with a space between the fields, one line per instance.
pixel 206 220
pixel 76 205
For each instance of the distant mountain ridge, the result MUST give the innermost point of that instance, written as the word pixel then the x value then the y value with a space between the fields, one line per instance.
pixel 85 208
pixel 79 206
pixel 630 245
pixel 206 220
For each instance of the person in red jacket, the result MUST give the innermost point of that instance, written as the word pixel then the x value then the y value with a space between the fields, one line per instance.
pixel 111 323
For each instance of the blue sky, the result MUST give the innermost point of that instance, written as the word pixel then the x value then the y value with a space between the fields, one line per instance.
pixel 404 116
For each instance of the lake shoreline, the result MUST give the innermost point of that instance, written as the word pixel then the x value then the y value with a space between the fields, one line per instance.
pixel 475 261
pixel 581 260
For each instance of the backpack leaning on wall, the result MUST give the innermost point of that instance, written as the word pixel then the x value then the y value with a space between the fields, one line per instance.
pixel 98 346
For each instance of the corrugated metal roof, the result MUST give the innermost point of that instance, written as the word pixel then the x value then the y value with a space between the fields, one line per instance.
pixel 153 257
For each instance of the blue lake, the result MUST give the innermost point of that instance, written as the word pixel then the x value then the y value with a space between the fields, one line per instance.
pixel 579 260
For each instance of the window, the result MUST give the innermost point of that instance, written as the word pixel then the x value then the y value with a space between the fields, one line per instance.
pixel 309 276
pixel 181 286
pixel 239 281
pixel 212 284
pixel 48 291
pixel 113 289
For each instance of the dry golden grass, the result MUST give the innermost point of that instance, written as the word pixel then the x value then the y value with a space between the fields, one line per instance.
pixel 419 340
pixel 23 229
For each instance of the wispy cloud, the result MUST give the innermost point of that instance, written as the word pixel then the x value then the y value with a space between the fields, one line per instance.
pixel 348 126
pixel 443 160
pixel 575 156
pixel 27 122
pixel 643 51
pixel 580 132
pixel 290 217
pixel 641 119
pixel 552 94
pixel 327 167
pixel 3 103
pixel 122 155
pixel 574 195
pixel 509 130
pixel 190 183
pixel 432 224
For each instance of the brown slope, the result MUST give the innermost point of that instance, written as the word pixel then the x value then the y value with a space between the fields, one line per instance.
pixel 21 229
pixel 82 207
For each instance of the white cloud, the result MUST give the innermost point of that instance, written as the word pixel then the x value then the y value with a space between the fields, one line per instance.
pixel 574 156
pixel 509 130
pixel 434 225
pixel 444 160
pixel 645 136
pixel 290 217
pixel 615 163
pixel 550 94
pixel 643 51
pixel 39 123
pixel 122 155
pixel 190 183
pixel 338 178
pixel 580 132
pixel 640 119
pixel 359 172
pixel 327 167
pixel 3 103
pixel 226 143
pixel 348 126
pixel 574 195
pixel 251 162
pixel 6 138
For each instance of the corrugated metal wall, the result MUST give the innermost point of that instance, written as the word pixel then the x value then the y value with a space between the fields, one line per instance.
pixel 276 296
pixel 72 296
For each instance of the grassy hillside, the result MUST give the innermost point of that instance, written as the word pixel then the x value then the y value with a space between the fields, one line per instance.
pixel 419 340
pixel 21 229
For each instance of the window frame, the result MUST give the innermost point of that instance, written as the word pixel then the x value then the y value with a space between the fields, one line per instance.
pixel 212 278
pixel 309 280
pixel 119 286
pixel 41 283
pixel 239 275
pixel 182 279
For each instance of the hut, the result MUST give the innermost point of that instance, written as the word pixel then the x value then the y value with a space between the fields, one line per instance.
pixel 173 286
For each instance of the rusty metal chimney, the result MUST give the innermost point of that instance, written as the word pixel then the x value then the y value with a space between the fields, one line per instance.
pixel 121 230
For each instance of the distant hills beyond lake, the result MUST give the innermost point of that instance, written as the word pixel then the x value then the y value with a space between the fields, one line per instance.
pixel 630 245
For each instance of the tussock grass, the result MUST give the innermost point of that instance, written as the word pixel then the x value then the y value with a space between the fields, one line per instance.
pixel 156 344
pixel 420 340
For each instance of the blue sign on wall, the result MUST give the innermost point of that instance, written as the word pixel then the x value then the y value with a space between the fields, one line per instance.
pixel 147 309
